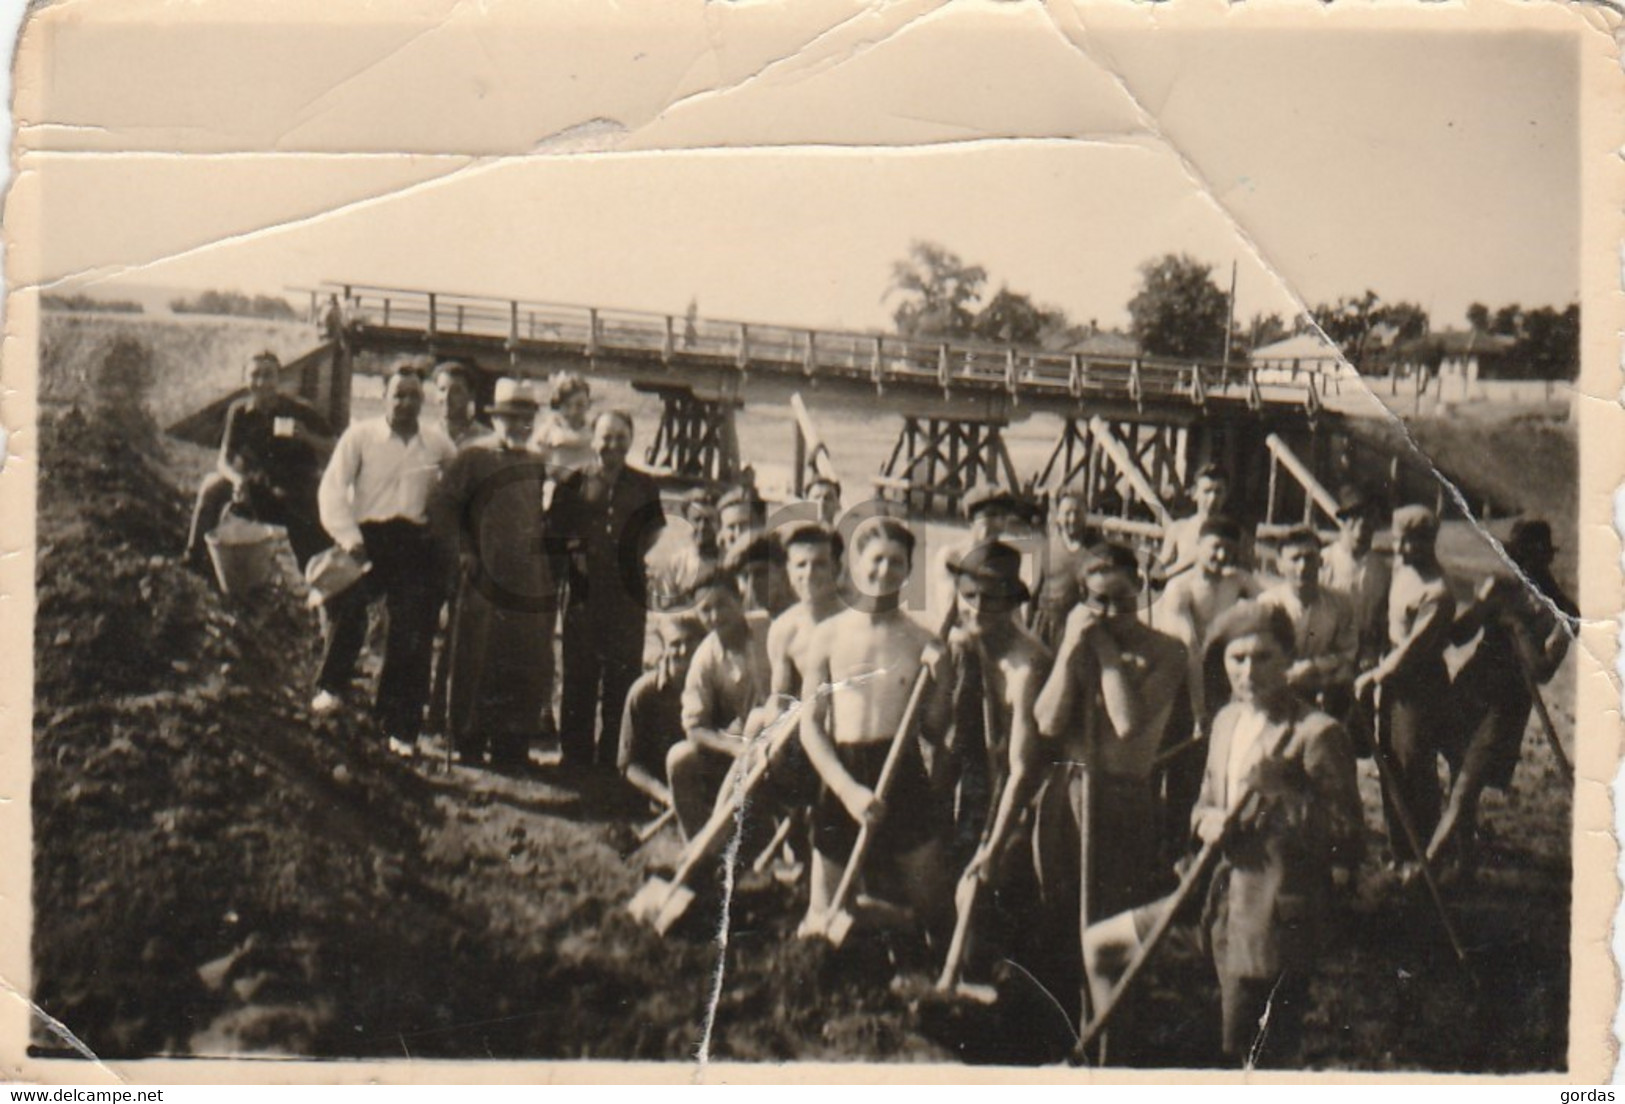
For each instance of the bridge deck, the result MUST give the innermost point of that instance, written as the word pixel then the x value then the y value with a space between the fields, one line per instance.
pixel 402 317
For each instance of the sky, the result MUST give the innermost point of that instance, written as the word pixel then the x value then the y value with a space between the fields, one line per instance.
pixel 1440 169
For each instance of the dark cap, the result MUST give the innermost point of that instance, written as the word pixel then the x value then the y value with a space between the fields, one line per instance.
pixel 1221 527
pixel 996 568
pixel 1529 535
pixel 1353 501
pixel 1108 554
pixel 991 494
pixel 1299 534
pixel 1251 618
pixel 1415 519
pixel 742 498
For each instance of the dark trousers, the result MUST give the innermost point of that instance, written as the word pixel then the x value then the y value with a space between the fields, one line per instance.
pixel 1263 1017
pixel 1412 722
pixel 603 657
pixel 305 533
pixel 406 573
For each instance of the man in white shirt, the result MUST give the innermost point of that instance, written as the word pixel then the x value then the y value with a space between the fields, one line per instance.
pixel 374 502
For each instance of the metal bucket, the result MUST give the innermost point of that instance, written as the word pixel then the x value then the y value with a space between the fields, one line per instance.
pixel 244 555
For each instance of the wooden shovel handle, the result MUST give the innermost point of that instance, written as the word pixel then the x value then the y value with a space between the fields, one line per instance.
pixel 702 845
pixel 888 772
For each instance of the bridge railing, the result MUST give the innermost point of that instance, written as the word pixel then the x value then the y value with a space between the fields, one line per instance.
pixel 880 356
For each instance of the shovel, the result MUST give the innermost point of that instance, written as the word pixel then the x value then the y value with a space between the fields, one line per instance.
pixel 1526 669
pixel 661 903
pixel 1388 783
pixel 647 832
pixel 1194 878
pixel 836 924
pixel 970 887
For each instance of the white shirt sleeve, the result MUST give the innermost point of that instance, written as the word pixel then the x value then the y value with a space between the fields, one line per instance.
pixel 333 498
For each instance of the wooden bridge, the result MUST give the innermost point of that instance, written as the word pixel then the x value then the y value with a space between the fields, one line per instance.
pixel 1133 429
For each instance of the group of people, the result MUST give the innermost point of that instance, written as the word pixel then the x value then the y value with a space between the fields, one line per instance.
pixel 495 537
pixel 1084 717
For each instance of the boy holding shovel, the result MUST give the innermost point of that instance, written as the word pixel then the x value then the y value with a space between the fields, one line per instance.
pixel 1000 668
pixel 862 665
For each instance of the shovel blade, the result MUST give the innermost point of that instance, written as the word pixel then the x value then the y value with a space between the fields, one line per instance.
pixel 672 911
pixel 975 992
pixel 837 926
pixel 647 903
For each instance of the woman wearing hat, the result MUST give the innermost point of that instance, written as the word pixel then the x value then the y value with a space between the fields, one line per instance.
pixel 1527 624
pixel 500 655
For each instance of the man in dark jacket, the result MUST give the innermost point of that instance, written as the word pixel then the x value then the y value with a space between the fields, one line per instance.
pixel 270 463
pixel 607 516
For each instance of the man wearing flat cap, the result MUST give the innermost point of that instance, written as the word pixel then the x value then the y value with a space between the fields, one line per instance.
pixel 1355 569
pixel 500 648
pixel 1103 713
pixel 1410 683
pixel 995 513
pixel 999 668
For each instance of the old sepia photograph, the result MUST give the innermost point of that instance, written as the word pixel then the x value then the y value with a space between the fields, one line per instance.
pixel 1005 535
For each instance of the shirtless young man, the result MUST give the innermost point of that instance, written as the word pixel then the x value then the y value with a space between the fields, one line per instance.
pixel 1181 543
pixel 1103 711
pixel 1195 601
pixel 813 566
pixel 1002 667
pixel 1415 704
pixel 813 563
pixel 870 656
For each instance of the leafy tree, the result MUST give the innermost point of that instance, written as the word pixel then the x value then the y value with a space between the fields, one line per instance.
pixel 1179 311
pixel 1012 318
pixel 1507 321
pixel 1409 320
pixel 235 303
pixel 937 292
pixel 1478 317
pixel 1549 343
pixel 1266 329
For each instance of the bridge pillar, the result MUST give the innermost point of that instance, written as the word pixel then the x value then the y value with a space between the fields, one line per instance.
pixel 696 440
pixel 1125 469
pixel 326 384
pixel 936 462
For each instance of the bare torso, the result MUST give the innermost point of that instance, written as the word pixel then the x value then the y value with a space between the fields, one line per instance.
pixel 872 661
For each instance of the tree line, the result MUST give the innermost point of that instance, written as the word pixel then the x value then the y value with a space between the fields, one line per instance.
pixel 77 302
pixel 1181 311
pixel 235 303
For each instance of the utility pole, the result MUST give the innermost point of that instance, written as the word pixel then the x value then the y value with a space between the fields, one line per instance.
pixel 1230 315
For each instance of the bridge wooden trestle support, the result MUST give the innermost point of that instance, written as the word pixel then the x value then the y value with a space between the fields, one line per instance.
pixel 696 440
pixel 1132 430
pixel 938 460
